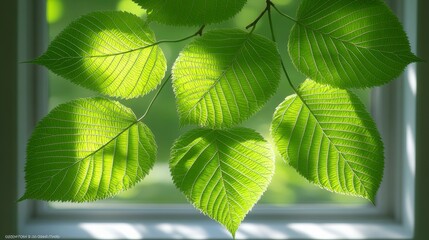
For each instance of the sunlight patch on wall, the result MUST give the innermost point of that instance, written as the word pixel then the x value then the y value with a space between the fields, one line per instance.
pixel 54 10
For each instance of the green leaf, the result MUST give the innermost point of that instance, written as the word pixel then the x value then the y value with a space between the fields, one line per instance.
pixel 327 135
pixel 189 12
pixel 222 172
pixel 224 77
pixel 86 150
pixel 344 43
pixel 112 53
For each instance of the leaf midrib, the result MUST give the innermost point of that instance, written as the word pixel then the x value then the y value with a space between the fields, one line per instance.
pixel 222 179
pixel 222 75
pixel 94 152
pixel 298 22
pixel 330 141
pixel 105 55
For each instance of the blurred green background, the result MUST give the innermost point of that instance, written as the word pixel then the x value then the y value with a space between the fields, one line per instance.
pixel 287 187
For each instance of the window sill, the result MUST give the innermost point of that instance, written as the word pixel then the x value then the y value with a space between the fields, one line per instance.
pixel 370 229
pixel 183 222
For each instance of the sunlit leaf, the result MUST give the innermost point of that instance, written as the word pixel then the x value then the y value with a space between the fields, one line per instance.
pixel 189 12
pixel 86 150
pixel 349 43
pixel 224 77
pixel 329 138
pixel 222 172
pixel 108 52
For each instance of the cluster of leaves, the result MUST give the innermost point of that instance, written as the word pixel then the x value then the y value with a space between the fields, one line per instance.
pixel 90 149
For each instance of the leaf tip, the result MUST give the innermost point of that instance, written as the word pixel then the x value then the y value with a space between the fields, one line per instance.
pixel 418 59
pixel 38 60
pixel 24 197
pixel 27 62
pixel 233 231
pixel 371 199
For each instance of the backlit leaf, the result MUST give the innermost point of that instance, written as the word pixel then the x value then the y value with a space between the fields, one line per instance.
pixel 222 172
pixel 224 77
pixel 349 43
pixel 86 150
pixel 189 12
pixel 329 138
pixel 112 53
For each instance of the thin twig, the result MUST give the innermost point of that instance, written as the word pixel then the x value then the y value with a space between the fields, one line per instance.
pixel 267 7
pixel 273 37
pixel 154 98
pixel 270 19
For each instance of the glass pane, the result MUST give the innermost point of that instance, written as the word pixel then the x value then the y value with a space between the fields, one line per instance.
pixel 287 187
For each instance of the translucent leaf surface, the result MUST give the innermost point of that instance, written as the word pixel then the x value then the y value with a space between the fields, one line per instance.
pixel 344 43
pixel 329 138
pixel 108 52
pixel 224 77
pixel 222 172
pixel 189 12
pixel 86 150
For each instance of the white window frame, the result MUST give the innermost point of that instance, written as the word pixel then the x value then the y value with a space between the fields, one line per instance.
pixel 392 218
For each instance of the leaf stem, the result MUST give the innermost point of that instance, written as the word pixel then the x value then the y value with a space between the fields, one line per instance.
pixel 273 37
pixel 287 76
pixel 197 33
pixel 283 63
pixel 270 19
pixel 283 14
pixel 266 9
pixel 154 98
